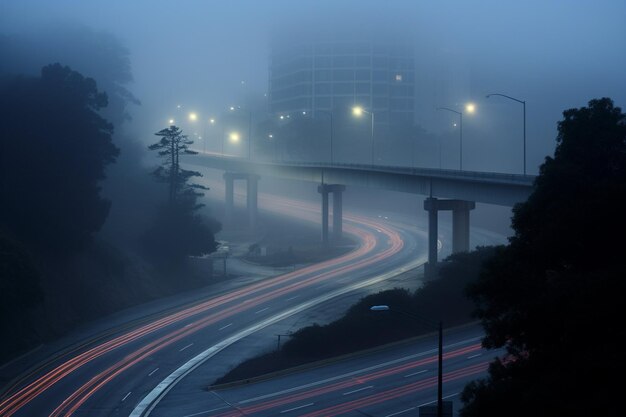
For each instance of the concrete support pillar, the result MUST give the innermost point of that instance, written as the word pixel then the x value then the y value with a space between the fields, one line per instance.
pixel 430 205
pixel 229 198
pixel 338 212
pixel 251 197
pixel 321 189
pixel 336 190
pixel 252 200
pixel 460 228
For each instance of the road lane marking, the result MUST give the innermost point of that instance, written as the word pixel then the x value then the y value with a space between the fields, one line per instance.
pixel 474 356
pixel 359 371
pixel 150 374
pixel 297 408
pixel 261 310
pixel 189 345
pixel 357 390
pixel 206 411
pixel 400 412
pixel 126 396
pixel 416 373
pixel 150 401
pixel 292 298
pixel 228 325
pixel 418 406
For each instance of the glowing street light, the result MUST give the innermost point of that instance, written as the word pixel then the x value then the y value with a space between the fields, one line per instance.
pixel 171 121
pixel 212 121
pixel 470 107
pixel 234 137
pixel 358 112
pixel 193 117
pixel 238 108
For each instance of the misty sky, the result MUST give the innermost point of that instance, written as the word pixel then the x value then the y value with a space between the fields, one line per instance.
pixel 553 54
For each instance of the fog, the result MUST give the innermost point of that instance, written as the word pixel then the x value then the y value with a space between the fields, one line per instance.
pixel 181 182
pixel 207 56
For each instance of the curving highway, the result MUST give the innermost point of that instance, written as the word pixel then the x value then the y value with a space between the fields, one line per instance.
pixel 115 375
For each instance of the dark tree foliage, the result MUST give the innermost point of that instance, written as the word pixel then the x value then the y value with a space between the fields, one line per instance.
pixel 54 147
pixel 178 230
pixel 172 144
pixel 554 296
pixel 19 293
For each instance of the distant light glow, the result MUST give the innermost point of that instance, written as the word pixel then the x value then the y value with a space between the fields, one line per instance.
pixel 171 121
pixel 178 106
pixel 454 124
pixel 398 77
pixel 282 117
pixel 193 116
pixel 270 136
pixel 470 107
pixel 232 108
pixel 303 113
pixel 211 121
pixel 234 137
pixel 357 111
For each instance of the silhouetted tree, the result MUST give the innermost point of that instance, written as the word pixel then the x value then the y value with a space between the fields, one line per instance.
pixel 172 144
pixel 19 293
pixel 553 296
pixel 179 231
pixel 53 151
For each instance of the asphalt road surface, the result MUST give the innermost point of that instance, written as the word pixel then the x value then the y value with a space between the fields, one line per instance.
pixel 131 369
pixel 388 382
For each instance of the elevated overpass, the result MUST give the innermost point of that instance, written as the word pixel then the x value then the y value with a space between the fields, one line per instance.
pixel 452 190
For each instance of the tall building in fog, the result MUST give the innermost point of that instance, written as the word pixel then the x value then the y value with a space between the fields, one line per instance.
pixel 315 73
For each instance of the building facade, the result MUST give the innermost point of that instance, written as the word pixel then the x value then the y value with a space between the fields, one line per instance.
pixel 324 76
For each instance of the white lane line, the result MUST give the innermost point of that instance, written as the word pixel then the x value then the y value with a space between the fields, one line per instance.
pixel 474 356
pixel 206 411
pixel 416 373
pixel 297 408
pixel 359 371
pixel 188 346
pixel 292 298
pixel 421 405
pixel 228 325
pixel 150 401
pixel 357 390
pixel 126 396
pixel 401 412
pixel 150 374
pixel 261 310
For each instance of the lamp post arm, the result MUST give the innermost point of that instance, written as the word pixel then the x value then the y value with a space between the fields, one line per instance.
pixel 453 111
pixel 504 95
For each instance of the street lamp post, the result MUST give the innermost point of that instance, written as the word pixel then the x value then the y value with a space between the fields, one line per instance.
pixel 358 112
pixel 233 108
pixel 524 120
pixel 439 355
pixel 460 134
